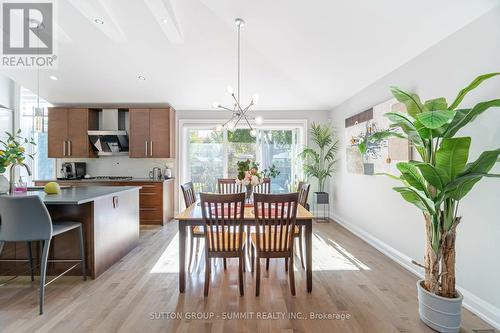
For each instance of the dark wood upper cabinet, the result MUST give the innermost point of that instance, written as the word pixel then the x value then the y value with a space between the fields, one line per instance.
pixel 79 123
pixel 67 132
pixel 57 132
pixel 139 133
pixel 159 132
pixel 152 133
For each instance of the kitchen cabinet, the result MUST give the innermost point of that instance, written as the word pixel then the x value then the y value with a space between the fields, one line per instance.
pixel 152 133
pixel 139 133
pixel 67 132
pixel 156 197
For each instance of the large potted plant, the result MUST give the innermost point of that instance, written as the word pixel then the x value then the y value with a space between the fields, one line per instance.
pixel 436 184
pixel 320 163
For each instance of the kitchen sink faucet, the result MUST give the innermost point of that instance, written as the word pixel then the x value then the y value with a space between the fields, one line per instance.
pixel 12 176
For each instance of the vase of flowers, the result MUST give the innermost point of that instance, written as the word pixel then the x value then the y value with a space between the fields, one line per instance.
pixel 12 152
pixel 249 176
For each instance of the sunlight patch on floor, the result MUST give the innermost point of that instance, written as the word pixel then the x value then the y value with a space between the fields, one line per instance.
pixel 169 259
pixel 330 256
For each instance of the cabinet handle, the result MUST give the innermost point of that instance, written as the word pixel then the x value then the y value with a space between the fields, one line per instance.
pixel 146 147
pixel 69 148
pixel 151 144
pixel 64 148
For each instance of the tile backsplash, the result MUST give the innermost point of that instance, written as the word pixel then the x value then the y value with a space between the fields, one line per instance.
pixel 120 165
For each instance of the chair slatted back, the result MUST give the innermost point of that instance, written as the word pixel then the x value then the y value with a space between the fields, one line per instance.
pixel 228 186
pixel 189 194
pixel 275 216
pixel 303 190
pixel 264 187
pixel 223 219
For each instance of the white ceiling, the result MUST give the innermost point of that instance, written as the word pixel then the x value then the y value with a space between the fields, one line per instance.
pixel 296 54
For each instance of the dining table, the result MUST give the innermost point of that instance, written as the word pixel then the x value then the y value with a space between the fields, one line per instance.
pixel 192 216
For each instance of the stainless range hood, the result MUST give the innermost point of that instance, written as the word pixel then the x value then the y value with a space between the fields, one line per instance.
pixel 109 140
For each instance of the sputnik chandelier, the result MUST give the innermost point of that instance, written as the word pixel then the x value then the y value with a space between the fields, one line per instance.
pixel 239 113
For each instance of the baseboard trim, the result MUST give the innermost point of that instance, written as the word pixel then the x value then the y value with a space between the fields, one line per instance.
pixel 484 310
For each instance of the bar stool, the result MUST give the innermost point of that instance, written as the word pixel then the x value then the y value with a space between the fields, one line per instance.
pixel 26 219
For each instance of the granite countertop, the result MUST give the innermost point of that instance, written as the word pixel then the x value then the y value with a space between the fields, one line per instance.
pixel 80 195
pixel 140 180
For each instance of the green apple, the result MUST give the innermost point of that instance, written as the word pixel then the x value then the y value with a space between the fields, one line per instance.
pixel 52 188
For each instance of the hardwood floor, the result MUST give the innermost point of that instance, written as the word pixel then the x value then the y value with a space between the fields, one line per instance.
pixel 140 294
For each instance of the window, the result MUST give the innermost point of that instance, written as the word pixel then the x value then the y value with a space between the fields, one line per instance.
pixel 241 146
pixel 41 166
pixel 279 148
pixel 207 155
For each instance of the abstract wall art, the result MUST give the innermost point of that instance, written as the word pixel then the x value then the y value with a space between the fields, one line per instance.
pixel 381 156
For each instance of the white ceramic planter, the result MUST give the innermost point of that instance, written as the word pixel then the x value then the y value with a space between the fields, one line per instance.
pixel 439 313
pixel 4 185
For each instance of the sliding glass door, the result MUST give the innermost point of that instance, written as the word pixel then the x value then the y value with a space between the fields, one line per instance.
pixel 241 146
pixel 279 148
pixel 207 155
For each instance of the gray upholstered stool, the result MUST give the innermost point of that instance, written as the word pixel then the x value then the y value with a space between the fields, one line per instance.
pixel 26 219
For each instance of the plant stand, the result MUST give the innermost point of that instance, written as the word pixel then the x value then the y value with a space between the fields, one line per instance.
pixel 321 201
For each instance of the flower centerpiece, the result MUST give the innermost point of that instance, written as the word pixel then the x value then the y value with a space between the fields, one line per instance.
pixel 249 176
pixel 12 152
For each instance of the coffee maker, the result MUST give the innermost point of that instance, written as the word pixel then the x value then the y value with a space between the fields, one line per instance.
pixel 73 170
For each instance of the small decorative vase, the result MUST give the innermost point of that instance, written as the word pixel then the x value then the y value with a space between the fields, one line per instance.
pixel 249 194
pixel 4 185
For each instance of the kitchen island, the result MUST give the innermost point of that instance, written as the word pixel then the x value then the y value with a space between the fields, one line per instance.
pixel 110 218
pixel 156 197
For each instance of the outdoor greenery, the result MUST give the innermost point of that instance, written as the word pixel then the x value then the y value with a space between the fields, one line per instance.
pixel 13 150
pixel 443 177
pixel 320 164
pixel 272 172
pixel 207 163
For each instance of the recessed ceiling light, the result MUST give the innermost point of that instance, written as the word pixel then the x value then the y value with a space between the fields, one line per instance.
pixel 140 77
pixel 52 77
pixel 164 20
pixel 99 21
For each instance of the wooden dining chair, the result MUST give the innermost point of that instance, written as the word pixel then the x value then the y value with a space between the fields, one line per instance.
pixel 275 216
pixel 223 226
pixel 196 232
pixel 228 186
pixel 303 190
pixel 264 187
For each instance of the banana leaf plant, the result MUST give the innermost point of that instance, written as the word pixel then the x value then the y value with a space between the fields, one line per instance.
pixel 443 176
pixel 320 164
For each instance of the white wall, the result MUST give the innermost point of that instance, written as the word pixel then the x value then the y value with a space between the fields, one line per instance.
pixel 7 88
pixel 368 205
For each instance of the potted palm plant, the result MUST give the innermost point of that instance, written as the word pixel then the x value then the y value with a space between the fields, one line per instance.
pixel 320 163
pixel 436 184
